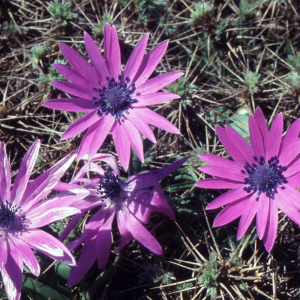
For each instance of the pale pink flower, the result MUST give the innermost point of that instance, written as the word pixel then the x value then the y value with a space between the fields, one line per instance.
pixel 22 213
pixel 114 100
pixel 263 177
pixel 127 200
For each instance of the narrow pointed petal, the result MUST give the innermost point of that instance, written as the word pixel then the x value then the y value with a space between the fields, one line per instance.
pixel 217 183
pixel 122 144
pixel 103 241
pixel 293 196
pixel 141 180
pixel 293 168
pixel 86 260
pixel 75 89
pixel 275 137
pixel 78 63
pixel 70 104
pixel 256 138
pixel 234 174
pixel 157 83
pixel 5 175
pixel 231 212
pixel 135 139
pixel 139 232
pixel 96 58
pixel 231 196
pixel 81 124
pixel 271 229
pixel 261 122
pixel 135 59
pixel 141 126
pixel 154 98
pixel 290 137
pixel 24 173
pixel 71 224
pixel 3 251
pixel 262 214
pixel 126 236
pixel 88 167
pixel 294 180
pixel 150 62
pixel 47 244
pixel 12 276
pixel 248 215
pixel 290 153
pixel 104 127
pixel 156 120
pixel 219 161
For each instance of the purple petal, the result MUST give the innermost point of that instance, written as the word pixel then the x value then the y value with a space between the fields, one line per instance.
pixel 122 144
pixel 96 58
pixel 149 63
pixel 81 124
pixel 249 212
pixel 290 137
pixel 88 167
pixel 157 83
pixel 215 160
pixel 294 180
pixel 75 89
pixel 256 138
pixel 86 260
pixel 141 180
pixel 5 175
pixel 112 51
pixel 80 65
pixel 138 231
pixel 229 145
pixel 104 127
pixel 262 215
pixel 107 158
pixel 294 168
pixel 3 251
pixel 71 224
pixel 135 139
pixel 261 122
pixel 217 183
pixel 231 196
pixel 12 276
pixel 290 153
pixel 141 126
pixel 24 173
pixel 47 244
pixel 271 228
pixel 223 172
pixel 155 98
pixel 275 137
pixel 156 120
pixel 72 105
pixel 135 59
pixel 103 242
pixel 293 196
pixel 231 212
pixel 126 236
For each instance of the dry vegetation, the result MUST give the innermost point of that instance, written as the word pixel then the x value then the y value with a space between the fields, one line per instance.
pixel 236 56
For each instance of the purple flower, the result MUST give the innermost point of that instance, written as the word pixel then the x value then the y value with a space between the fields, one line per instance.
pixel 127 200
pixel 22 213
pixel 113 99
pixel 263 177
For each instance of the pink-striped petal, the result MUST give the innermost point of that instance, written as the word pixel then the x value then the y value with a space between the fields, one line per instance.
pixel 5 175
pixel 271 228
pixel 275 137
pixel 154 98
pixel 71 224
pixel 215 160
pixel 222 172
pixel 126 236
pixel 291 152
pixel 70 104
pixel 217 183
pixel 262 214
pixel 3 251
pixel 290 137
pixel 256 138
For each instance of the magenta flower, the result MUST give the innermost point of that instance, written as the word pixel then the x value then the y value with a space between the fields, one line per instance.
pixel 113 99
pixel 263 177
pixel 22 213
pixel 127 200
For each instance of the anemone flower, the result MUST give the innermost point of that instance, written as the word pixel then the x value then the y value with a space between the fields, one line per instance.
pixel 113 99
pixel 127 200
pixel 263 177
pixel 22 213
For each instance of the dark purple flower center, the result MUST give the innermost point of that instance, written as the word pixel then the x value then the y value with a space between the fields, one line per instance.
pixel 9 216
pixel 115 99
pixel 109 185
pixel 264 177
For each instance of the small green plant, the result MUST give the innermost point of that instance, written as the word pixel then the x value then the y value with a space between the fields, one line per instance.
pixel 293 78
pixel 52 75
pixel 38 52
pixel 221 27
pixel 98 29
pixel 12 28
pixel 246 10
pixel 61 12
pixel 202 8
pixel 294 61
pixel 251 80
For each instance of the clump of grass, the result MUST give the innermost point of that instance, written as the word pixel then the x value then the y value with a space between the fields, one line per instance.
pixel 38 52
pixel 202 9
pixel 251 80
pixel 61 12
pixel 98 29
pixel 293 78
pixel 221 27
pixel 12 28
pixel 52 75
pixel 294 61
pixel 246 10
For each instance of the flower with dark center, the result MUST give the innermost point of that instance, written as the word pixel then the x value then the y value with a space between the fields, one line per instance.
pixel 263 177
pixel 115 100
pixel 22 213
pixel 128 201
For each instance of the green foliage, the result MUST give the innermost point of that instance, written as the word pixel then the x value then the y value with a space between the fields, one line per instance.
pixel 240 122
pixel 12 28
pixel 246 10
pixel 221 27
pixel 38 52
pixel 202 8
pixel 98 29
pixel 251 80
pixel 155 274
pixel 293 78
pixel 294 61
pixel 61 12
pixel 52 75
